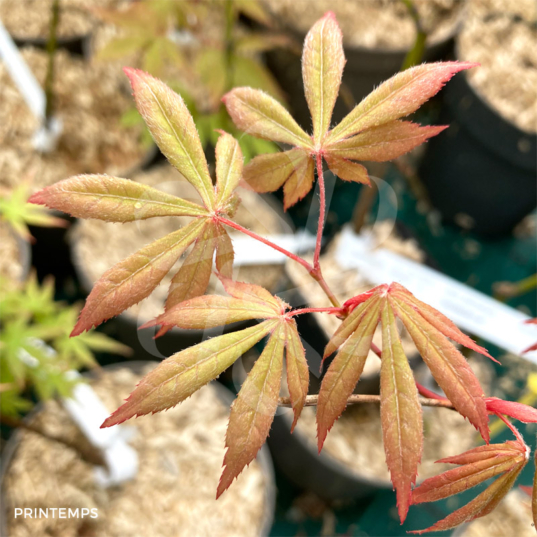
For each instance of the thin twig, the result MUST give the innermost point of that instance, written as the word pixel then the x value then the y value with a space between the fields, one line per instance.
pixel 292 256
pixel 312 400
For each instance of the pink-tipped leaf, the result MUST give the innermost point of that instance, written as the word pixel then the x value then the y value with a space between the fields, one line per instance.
pixel 173 129
pixel 322 68
pixel 179 376
pixel 480 506
pixel 344 372
pixel 448 367
pixel 400 412
pixel 437 319
pixel 253 293
pixel 347 170
pixel 398 97
pixel 134 278
pixel 253 411
pixel 225 255
pixel 209 311
pixel 192 279
pixel 386 142
pixel 113 199
pixel 267 173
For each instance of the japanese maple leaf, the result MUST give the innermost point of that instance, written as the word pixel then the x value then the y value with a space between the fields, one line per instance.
pixel 504 461
pixel 179 376
pixel 372 131
pixel 119 200
pixel 399 406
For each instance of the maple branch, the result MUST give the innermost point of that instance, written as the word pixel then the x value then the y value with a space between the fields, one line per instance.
pixel 314 310
pixel 315 274
pixel 292 256
pixel 311 400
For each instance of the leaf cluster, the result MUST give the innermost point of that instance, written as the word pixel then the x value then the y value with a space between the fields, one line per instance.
pixel 373 131
pixel 19 214
pixel 36 351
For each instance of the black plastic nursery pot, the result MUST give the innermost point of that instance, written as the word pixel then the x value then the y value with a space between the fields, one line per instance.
pixel 481 172
pixel 263 457
pixel 365 69
pixel 320 473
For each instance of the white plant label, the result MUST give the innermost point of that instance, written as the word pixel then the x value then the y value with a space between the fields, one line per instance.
pixel 46 136
pixel 249 251
pixel 471 310
pixel 88 412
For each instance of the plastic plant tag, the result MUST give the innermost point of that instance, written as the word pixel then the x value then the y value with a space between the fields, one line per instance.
pixel 249 251
pixel 46 136
pixel 88 412
pixel 473 311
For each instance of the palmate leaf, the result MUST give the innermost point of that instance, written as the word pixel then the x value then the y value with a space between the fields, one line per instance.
pixel 372 131
pixel 119 200
pixel 179 376
pixel 477 465
pixel 400 409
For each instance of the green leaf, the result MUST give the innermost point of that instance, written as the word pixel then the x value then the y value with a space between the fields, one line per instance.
pixel 400 412
pixel 179 376
pixel 122 46
pixel 322 68
pixel 398 97
pixel 134 278
pixel 173 130
pixel 298 376
pixel 228 167
pixel 253 411
pixel 258 114
pixel 251 72
pixel 113 199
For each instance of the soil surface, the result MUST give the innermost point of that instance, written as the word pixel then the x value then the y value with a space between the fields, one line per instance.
pixel 180 460
pixel 501 36
pixel 382 24
pixel 90 101
pixel 94 258
pixel 30 19
pixel 10 256
pixel 356 438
